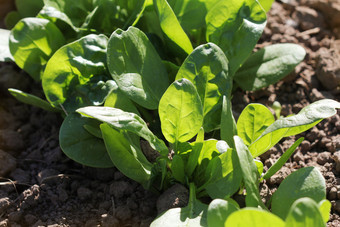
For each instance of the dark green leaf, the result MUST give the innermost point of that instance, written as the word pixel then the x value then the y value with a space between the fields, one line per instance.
pixel 29 8
pixel 249 173
pixel 11 19
pixel 122 120
pixel 32 100
pixel 141 75
pixel 282 160
pixel 32 42
pixel 127 158
pixel 207 68
pixel 177 168
pixel 304 120
pixel 255 218
pixel 228 123
pixel 269 65
pixel 81 146
pixel 218 212
pixel 304 212
pixel 172 28
pixel 305 182
pixel 254 119
pixel 235 26
pixel 76 74
pixel 180 112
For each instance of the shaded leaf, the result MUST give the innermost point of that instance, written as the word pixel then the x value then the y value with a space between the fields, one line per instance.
pixel 228 123
pixel 218 212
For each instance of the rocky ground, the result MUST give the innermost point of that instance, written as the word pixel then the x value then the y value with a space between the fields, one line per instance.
pixel 40 186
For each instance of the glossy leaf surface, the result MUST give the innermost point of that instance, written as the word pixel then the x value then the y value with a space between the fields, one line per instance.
pixel 5 54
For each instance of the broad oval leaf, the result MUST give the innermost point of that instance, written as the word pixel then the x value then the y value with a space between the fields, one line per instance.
pixel 305 182
pixel 254 119
pixel 218 212
pixel 180 112
pixel 266 4
pixel 235 26
pixel 325 209
pixel 254 217
pixel 177 168
pixel 5 54
pixel 81 146
pixel 28 8
pixel 269 65
pixel 289 126
pixel 141 75
pixel 32 42
pixel 172 28
pixel 207 68
pixel 122 120
pixel 76 74
pixel 304 212
pixel 127 158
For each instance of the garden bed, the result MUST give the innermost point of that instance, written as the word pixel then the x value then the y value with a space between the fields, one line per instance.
pixel 40 186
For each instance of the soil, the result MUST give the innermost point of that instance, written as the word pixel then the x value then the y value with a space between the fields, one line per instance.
pixel 40 186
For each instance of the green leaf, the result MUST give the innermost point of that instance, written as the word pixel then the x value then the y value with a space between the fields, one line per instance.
pixel 235 26
pixel 253 217
pixel 259 166
pixel 127 158
pixel 282 160
pixel 29 8
pixel 180 112
pixel 12 19
pixel 249 173
pixel 305 182
pixel 122 120
pixel 177 168
pixel 76 74
pixel 5 54
pixel 81 146
pixel 32 100
pixel 325 209
pixel 254 119
pixel 304 212
pixel 67 12
pixel 172 28
pixel 32 42
pixel 289 126
pixel 118 100
pixel 192 215
pixel 269 65
pixel 228 123
pixel 218 212
pixel 207 68
pixel 141 75
pixel 266 4
pixel 108 15
pixel 223 175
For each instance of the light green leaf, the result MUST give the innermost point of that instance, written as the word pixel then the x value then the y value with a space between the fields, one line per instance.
pixel 127 158
pixel 304 212
pixel 266 4
pixel 5 54
pixel 141 75
pixel 254 119
pixel 269 65
pixel 282 160
pixel 249 173
pixel 180 112
pixel 218 212
pixel 32 100
pixel 259 166
pixel 192 215
pixel 325 209
pixel 254 218
pixel 228 123
pixel 305 182
pixel 304 120
pixel 172 28
pixel 235 26
pixel 32 42
pixel 122 120
pixel 76 74
pixel 81 146
pixel 207 68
